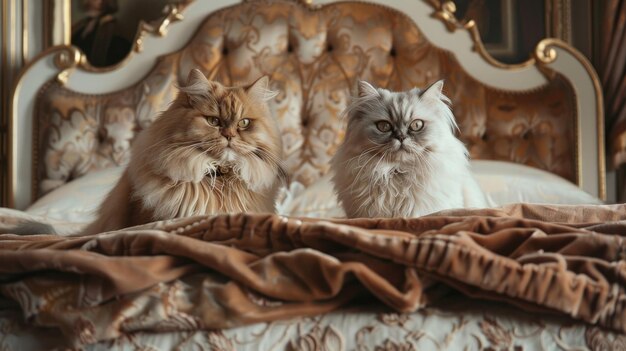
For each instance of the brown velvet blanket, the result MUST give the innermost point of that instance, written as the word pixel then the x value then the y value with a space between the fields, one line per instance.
pixel 225 271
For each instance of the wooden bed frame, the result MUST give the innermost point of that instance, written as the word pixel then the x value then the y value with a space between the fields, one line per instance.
pixel 552 60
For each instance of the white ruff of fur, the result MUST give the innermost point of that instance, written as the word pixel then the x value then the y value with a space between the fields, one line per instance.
pixel 385 189
pixel 372 179
pixel 180 186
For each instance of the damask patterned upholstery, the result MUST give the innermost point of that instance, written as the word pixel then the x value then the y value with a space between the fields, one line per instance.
pixel 314 58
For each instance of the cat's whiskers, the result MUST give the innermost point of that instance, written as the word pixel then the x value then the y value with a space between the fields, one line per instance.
pixel 205 153
pixel 173 149
pixel 260 152
pixel 267 155
pixel 425 161
pixel 273 160
pixel 166 153
pixel 251 151
pixel 380 176
pixel 375 143
pixel 174 154
pixel 360 168
pixel 361 154
pixel 378 151
pixel 171 144
pixel 167 140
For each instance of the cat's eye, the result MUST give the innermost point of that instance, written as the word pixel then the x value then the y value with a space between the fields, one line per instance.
pixel 416 125
pixel 243 124
pixel 213 121
pixel 383 126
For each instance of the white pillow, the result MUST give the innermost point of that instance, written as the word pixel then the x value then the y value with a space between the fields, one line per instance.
pixel 507 182
pixel 502 182
pixel 78 200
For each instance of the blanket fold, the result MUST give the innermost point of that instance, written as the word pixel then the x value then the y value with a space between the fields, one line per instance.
pixel 230 270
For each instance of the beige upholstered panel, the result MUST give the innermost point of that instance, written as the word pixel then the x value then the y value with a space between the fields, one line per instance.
pixel 314 58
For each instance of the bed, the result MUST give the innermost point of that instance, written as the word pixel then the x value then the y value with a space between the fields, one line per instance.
pixel 542 268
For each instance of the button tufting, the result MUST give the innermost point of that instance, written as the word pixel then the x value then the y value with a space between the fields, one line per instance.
pixel 101 135
pixel 329 48
pixel 392 52
pixel 224 51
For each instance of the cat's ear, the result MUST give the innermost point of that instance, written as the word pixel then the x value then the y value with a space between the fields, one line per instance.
pixel 197 86
pixel 260 89
pixel 196 77
pixel 434 91
pixel 366 90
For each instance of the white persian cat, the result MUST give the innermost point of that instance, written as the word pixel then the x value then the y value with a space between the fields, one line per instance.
pixel 400 157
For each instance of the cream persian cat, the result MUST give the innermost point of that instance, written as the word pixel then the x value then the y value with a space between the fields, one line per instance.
pixel 216 149
pixel 400 157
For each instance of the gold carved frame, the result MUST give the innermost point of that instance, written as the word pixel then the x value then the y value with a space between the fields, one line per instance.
pixel 56 36
pixel 62 29
pixel 15 52
pixel 543 55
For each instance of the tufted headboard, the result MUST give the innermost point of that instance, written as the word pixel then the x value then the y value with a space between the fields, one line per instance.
pixel 534 113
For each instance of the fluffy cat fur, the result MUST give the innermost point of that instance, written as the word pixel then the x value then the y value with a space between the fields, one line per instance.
pixel 400 157
pixel 200 157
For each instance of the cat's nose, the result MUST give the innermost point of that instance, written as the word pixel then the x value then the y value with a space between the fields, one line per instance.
pixel 228 133
pixel 400 137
